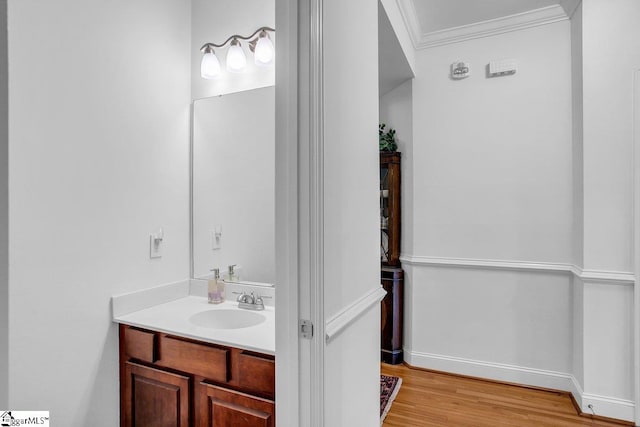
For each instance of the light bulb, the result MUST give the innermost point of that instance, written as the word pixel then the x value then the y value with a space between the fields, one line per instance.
pixel 236 61
pixel 264 51
pixel 209 66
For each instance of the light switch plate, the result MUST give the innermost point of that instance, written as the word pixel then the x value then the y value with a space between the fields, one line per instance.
pixel 155 247
pixel 216 237
pixel 215 240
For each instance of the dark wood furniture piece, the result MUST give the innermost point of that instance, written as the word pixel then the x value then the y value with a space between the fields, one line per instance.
pixel 392 275
pixel 390 209
pixel 391 317
pixel 172 381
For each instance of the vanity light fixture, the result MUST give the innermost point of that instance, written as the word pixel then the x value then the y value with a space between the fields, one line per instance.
pixel 236 60
pixel 264 51
pixel 209 66
pixel 261 46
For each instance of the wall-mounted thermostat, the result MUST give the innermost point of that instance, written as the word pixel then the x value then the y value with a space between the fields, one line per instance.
pixel 460 70
pixel 503 67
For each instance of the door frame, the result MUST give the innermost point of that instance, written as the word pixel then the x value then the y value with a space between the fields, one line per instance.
pixel 286 215
pixel 299 213
pixel 636 236
pixel 315 162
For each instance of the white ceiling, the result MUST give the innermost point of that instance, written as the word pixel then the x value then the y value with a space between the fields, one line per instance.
pixel 436 15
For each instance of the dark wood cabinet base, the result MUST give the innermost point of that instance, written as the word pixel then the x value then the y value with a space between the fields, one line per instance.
pixel 392 357
pixel 172 381
pixel 391 318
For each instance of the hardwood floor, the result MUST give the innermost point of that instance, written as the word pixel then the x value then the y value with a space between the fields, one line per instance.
pixel 437 399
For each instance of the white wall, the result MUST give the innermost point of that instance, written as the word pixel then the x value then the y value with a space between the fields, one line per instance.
pixel 493 211
pixel 502 317
pixel 608 348
pixel 578 331
pixel 99 132
pixel 522 209
pixel 396 111
pixel 611 51
pixel 351 154
pixel 578 192
pixel 4 210
pixel 603 81
pixel 234 183
pixel 353 365
pixel 351 198
pixel 214 22
pixel 577 136
pixel 495 175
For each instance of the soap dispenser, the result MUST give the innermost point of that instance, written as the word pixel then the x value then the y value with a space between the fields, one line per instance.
pixel 216 288
pixel 232 276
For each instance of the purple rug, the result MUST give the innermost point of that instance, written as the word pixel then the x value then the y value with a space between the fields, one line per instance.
pixel 389 387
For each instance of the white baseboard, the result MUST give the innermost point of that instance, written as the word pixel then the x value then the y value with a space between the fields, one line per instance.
pixel 611 407
pixel 490 370
pixel 603 406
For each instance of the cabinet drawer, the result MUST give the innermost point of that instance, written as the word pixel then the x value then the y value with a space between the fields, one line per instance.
pixel 256 373
pixel 199 359
pixel 141 345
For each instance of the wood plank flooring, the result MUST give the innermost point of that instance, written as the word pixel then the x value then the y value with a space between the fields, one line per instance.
pixel 437 399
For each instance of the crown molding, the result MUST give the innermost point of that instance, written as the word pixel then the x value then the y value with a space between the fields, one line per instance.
pixel 492 27
pixel 570 6
pixel 410 18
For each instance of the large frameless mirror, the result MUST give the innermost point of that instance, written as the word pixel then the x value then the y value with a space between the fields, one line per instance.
pixel 233 186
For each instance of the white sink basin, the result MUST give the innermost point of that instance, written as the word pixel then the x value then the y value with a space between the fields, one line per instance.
pixel 227 319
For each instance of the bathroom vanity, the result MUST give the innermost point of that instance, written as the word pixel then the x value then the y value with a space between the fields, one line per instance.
pixel 188 363
pixel 169 380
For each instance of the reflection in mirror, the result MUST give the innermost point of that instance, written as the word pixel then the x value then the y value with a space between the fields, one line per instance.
pixel 233 201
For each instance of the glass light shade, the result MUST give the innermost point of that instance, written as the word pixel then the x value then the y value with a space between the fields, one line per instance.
pixel 209 66
pixel 264 51
pixel 236 60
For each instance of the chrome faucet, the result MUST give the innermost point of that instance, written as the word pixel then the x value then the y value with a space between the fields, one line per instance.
pixel 250 301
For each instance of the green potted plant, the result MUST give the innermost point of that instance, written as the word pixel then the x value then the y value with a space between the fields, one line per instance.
pixel 387 140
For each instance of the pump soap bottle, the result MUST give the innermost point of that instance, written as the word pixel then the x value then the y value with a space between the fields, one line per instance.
pixel 216 288
pixel 232 275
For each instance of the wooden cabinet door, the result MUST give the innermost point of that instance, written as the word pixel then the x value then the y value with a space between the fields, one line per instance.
pixel 390 209
pixel 228 408
pixel 154 398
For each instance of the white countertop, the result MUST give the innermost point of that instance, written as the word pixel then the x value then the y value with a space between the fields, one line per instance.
pixel 172 318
